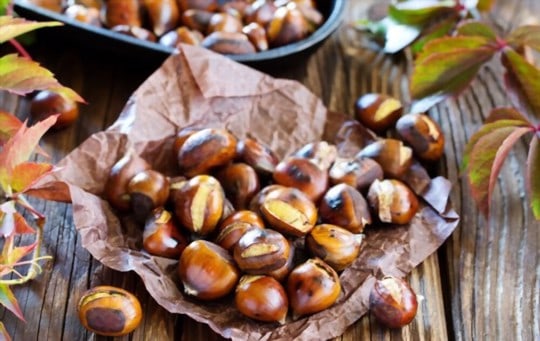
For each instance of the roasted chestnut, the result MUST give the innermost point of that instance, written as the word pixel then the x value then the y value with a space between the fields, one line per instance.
pixel 207 271
pixel 344 206
pixel 47 103
pixel 260 251
pixel 84 14
pixel 224 22
pixel 257 155
pixel 260 12
pixel 135 31
pixel 109 311
pixel 356 172
pixel 393 156
pixel 51 5
pixel 392 201
pixel 262 298
pixel 147 190
pixel 245 216
pixel 281 273
pixel 423 134
pixel 240 182
pixel 287 26
pixel 302 174
pixel 161 236
pixel 199 203
pixel 164 15
pixel 119 176
pixel 197 19
pixel 207 5
pixel 121 12
pixel 228 43
pixel 312 287
pixel 260 197
pixel 231 234
pixel 320 153
pixel 256 35
pixel 338 247
pixel 206 149
pixel 393 302
pixel 378 112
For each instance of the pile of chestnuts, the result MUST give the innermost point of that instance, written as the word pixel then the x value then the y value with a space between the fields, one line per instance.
pixel 227 27
pixel 273 233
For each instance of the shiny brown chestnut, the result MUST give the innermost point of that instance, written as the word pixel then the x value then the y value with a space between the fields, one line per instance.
pixel 321 153
pixel 260 197
pixel 206 149
pixel 47 103
pixel 289 211
pixel 161 236
pixel 135 31
pixel 109 311
pixel 287 26
pixel 423 134
pixel 207 5
pixel 391 154
pixel 356 172
pixel 345 206
pixel 256 35
pixel 207 271
pixel 197 19
pixel 281 273
pixel 260 251
pixel 302 174
pixel 335 245
pixel 257 155
pixel 231 234
pixel 147 190
pixel 51 5
pixel 87 15
pixel 240 182
pixel 198 204
pixel 393 302
pixel 377 111
pixel 245 216
pixel 260 12
pixel 120 174
pixel 392 201
pixel 164 15
pixel 261 298
pixel 181 35
pixel 228 43
pixel 312 287
pixel 121 12
pixel 224 22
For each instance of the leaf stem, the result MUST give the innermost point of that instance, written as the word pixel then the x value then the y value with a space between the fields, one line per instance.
pixel 20 49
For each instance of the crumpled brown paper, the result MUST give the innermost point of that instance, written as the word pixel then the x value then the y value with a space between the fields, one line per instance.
pixel 198 87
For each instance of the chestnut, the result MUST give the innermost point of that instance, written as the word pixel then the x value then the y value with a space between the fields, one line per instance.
pixel 228 43
pixel 231 234
pixel 282 272
pixel 335 245
pixel 206 149
pixel 161 236
pixel 183 134
pixel 260 197
pixel 261 298
pixel 260 251
pixel 181 35
pixel 392 201
pixel 147 190
pixel 197 19
pixel 377 111
pixel 245 216
pixel 47 103
pixel 164 15
pixel 423 134
pixel 87 15
pixel 356 172
pixel 118 178
pixel 287 26
pixel 393 156
pixel 121 12
pixel 257 155
pixel 321 153
pixel 51 5
pixel 207 271
pixel 289 211
pixel 302 174
pixel 135 31
pixel 312 287
pixel 198 204
pixel 393 302
pixel 224 22
pixel 240 183
pixel 260 12
pixel 256 35
pixel 109 311
pixel 207 5
pixel 344 206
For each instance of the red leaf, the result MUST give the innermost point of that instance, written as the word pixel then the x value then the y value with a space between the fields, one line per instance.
pixel 9 124
pixel 525 35
pixel 21 225
pixel 476 29
pixel 20 147
pixel 438 30
pixel 27 173
pixel 533 180
pixel 523 82
pixel 438 47
pixel 18 253
pixel 3 333
pixel 486 159
pixel 8 300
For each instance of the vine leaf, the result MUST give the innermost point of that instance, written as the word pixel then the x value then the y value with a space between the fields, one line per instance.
pixel 438 30
pixel 7 213
pixel 475 28
pixel 21 225
pixel 9 124
pixel 13 27
pixel 525 35
pixel 28 173
pixel 485 5
pixel 419 12
pixel 533 180
pixel 8 300
pixel 486 159
pixel 523 82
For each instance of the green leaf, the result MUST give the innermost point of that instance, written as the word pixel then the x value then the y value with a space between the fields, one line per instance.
pixel 21 76
pixel 476 29
pixel 419 12
pixel 504 113
pixel 438 47
pixel 486 159
pixel 525 35
pixel 523 82
pixel 8 300
pixel 533 180
pixel 447 73
pixel 3 333
pixel 438 30
pixel 487 128
pixel 11 27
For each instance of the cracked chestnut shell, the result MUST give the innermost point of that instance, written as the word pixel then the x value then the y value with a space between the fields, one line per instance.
pixel 392 201
pixel 392 155
pixel 321 153
pixel 109 311
pixel 378 112
pixel 302 174
pixel 338 247
pixel 260 251
pixel 245 216
pixel 147 190
pixel 162 236
pixel 356 172
pixel 423 134
pixel 393 302
pixel 231 234
pixel 261 298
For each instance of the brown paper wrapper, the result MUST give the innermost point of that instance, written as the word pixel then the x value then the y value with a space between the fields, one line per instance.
pixel 198 87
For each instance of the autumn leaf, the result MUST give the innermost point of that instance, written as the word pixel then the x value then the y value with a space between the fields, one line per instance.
pixel 9 124
pixel 27 173
pixel 8 300
pixel 7 221
pixel 3 333
pixel 533 180
pixel 15 255
pixel 486 159
pixel 438 30
pixel 525 35
pixel 11 27
pixel 21 225
pixel 475 28
pixel 419 12
pixel 523 82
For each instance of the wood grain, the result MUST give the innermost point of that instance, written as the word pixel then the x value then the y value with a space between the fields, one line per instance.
pixel 483 284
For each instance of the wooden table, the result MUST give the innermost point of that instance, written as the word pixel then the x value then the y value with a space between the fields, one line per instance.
pixel 483 284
